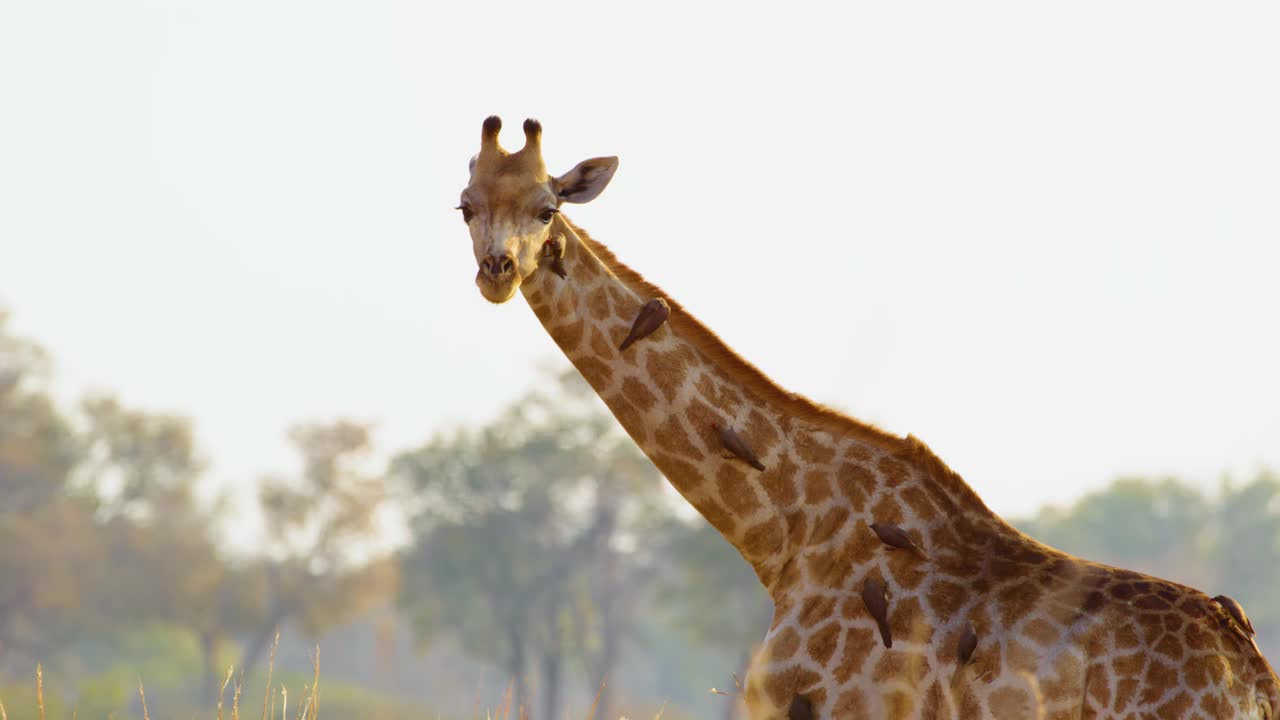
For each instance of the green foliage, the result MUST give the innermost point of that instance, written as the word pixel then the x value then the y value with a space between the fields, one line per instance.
pixel 142 465
pixel 711 593
pixel 516 528
pixel 38 447
pixel 347 701
pixel 1153 525
pixel 506 513
pixel 1246 549
pixel 105 533
pixel 20 701
pixel 317 525
pixel 105 694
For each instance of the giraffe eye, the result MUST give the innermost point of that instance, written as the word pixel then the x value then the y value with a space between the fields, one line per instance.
pixel 547 214
pixel 467 213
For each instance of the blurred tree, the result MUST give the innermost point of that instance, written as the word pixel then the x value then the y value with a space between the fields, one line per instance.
pixel 141 465
pixel 615 583
pixel 49 557
pixel 1246 549
pixel 163 541
pixel 713 596
pixel 47 538
pixel 510 520
pixel 38 447
pixel 322 564
pixel 1153 526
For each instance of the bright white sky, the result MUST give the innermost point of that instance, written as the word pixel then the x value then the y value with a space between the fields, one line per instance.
pixel 1044 238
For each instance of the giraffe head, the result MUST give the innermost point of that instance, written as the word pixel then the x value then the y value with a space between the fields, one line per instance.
pixel 510 205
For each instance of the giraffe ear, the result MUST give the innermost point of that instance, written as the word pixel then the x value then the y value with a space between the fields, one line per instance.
pixel 586 181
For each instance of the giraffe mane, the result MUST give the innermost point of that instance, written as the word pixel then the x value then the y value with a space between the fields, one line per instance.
pixel 909 448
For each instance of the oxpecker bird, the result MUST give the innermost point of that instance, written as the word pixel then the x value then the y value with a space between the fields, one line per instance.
pixel 896 537
pixel 1236 612
pixel 736 445
pixel 553 249
pixel 651 317
pixel 878 605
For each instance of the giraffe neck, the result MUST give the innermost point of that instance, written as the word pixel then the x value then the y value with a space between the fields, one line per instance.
pixel 824 471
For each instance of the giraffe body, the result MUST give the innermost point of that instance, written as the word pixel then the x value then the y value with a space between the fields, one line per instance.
pixel 1056 636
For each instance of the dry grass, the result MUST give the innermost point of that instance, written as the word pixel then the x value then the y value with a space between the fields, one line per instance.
pixel 222 691
pixel 307 709
pixel 143 694
pixel 271 663
pixel 40 689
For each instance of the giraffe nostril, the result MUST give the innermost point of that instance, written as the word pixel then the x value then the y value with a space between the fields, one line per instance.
pixel 498 265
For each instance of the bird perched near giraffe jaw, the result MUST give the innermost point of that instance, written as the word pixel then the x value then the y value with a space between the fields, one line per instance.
pixel 896 537
pixel 553 249
pixel 651 317
pixel 734 443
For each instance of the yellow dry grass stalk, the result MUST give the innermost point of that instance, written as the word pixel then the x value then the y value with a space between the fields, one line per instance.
pixel 596 703
pixel 223 690
pixel 270 666
pixel 3 714
pixel 143 694
pixel 504 710
pixel 235 698
pixel 311 709
pixel 40 689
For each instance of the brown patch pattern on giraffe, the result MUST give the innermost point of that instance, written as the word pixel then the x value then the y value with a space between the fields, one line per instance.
pixel 569 335
pixel 735 492
pixel 673 436
pixel 600 345
pixel 719 394
pixel 666 370
pixel 638 393
pixel 596 372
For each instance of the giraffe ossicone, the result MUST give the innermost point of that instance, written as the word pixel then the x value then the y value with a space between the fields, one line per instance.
pixel 992 625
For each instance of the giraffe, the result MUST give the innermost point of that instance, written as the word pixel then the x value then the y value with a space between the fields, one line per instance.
pixel 897 593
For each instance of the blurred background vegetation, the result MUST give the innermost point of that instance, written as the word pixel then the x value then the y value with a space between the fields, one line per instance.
pixel 539 552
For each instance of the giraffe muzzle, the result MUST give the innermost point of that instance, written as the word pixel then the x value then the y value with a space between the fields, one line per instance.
pixel 497 277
